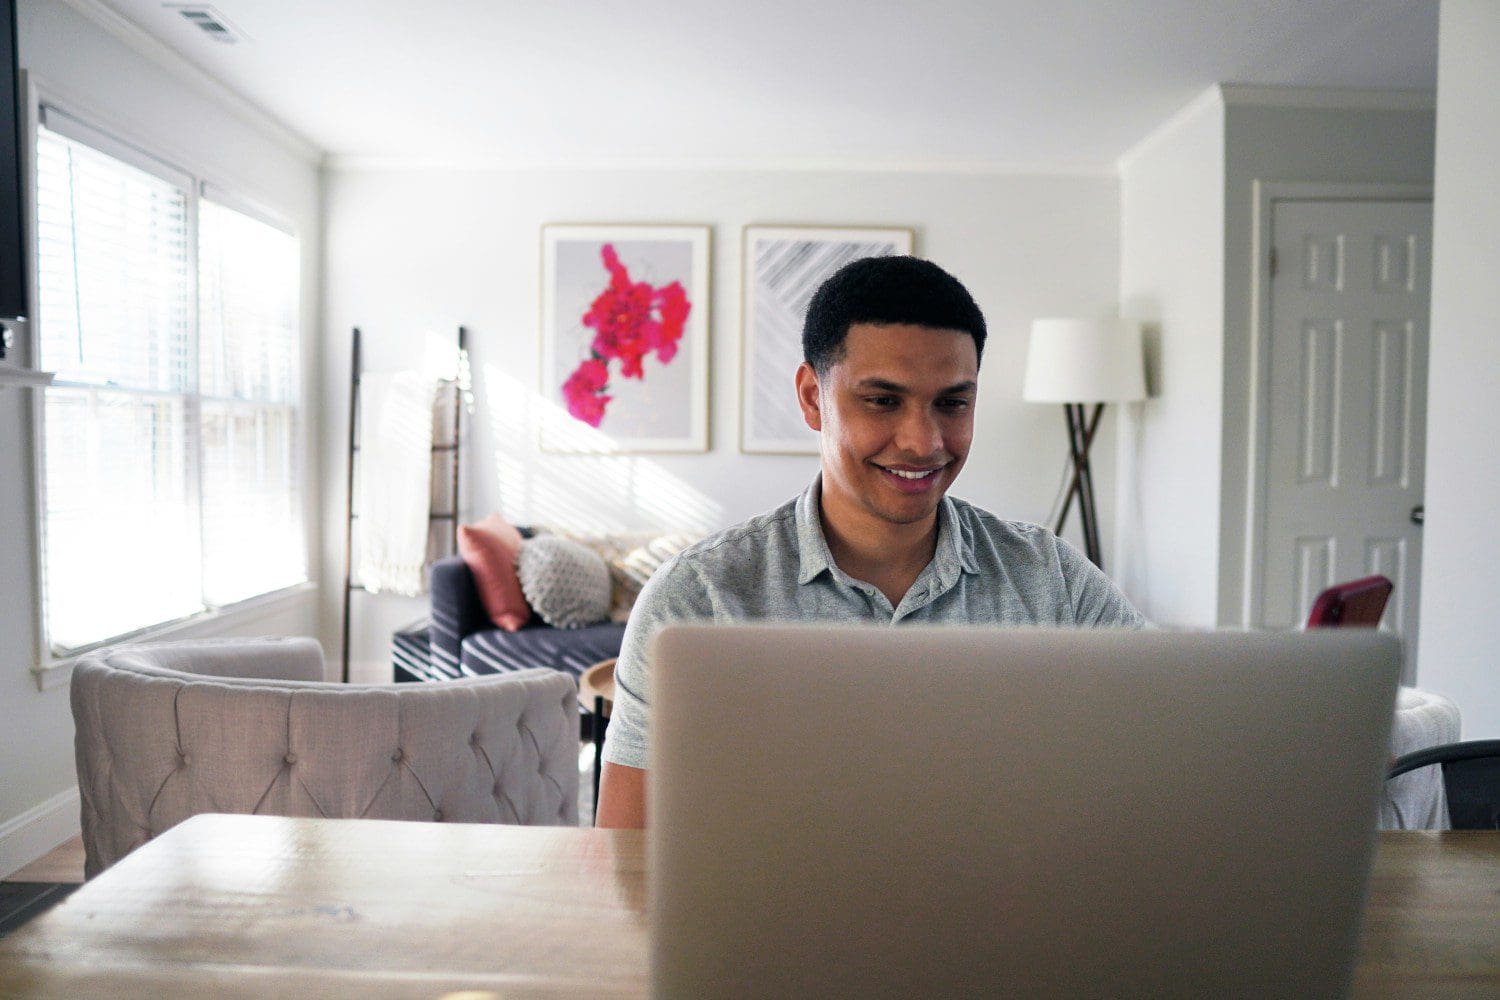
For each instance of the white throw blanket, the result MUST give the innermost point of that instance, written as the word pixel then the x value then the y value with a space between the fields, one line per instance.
pixel 395 480
pixel 1416 800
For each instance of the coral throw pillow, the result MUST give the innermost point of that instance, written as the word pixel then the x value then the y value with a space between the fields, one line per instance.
pixel 489 549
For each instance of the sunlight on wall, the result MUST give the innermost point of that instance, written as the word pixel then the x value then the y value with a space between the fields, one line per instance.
pixel 595 493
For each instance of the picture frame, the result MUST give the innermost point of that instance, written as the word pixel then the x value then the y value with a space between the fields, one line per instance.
pixel 781 268
pixel 625 345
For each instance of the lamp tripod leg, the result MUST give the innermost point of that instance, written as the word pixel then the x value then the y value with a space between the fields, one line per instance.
pixel 1081 430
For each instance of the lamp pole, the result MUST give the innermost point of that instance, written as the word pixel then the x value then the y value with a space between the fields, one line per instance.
pixel 1081 428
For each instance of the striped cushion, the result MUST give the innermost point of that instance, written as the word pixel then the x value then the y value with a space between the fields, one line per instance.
pixel 413 659
pixel 641 562
pixel 570 650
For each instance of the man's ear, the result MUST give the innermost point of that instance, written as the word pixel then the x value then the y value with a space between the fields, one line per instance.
pixel 807 396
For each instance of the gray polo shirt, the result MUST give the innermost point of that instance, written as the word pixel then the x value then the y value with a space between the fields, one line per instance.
pixel 777 567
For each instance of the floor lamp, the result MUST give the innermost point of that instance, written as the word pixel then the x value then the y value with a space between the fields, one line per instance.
pixel 1081 363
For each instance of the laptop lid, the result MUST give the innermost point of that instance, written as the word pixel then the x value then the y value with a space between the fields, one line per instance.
pixel 867 811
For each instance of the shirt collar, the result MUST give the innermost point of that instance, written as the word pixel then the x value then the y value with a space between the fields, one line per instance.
pixel 952 555
pixel 812 547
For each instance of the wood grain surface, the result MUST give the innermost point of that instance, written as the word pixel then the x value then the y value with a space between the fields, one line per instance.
pixel 242 906
pixel 253 906
pixel 1432 922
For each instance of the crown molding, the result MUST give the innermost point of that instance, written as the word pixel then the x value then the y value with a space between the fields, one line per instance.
pixel 1327 98
pixel 380 163
pixel 1212 97
pixel 165 57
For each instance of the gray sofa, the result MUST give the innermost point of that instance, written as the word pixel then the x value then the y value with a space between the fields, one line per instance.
pixel 463 642
pixel 248 726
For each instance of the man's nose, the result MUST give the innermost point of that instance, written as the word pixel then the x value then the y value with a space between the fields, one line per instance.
pixel 919 433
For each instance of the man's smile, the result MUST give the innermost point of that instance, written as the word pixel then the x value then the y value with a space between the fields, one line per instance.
pixel 911 478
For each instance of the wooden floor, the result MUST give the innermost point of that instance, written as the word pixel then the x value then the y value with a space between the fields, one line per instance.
pixel 62 864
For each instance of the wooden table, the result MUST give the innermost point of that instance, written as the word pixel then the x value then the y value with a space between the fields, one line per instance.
pixel 246 906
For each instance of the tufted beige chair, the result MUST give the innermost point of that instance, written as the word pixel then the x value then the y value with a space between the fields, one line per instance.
pixel 247 726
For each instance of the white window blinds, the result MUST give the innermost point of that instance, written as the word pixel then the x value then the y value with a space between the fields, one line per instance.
pixel 169 439
pixel 248 367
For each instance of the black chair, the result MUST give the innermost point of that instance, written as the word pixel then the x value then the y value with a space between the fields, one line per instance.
pixel 1471 780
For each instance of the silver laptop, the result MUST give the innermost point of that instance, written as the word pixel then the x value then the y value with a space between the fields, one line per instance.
pixel 923 812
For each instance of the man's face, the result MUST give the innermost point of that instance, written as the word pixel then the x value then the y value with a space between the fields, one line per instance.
pixel 895 416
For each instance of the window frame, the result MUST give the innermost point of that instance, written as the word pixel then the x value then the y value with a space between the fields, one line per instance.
pixel 117 139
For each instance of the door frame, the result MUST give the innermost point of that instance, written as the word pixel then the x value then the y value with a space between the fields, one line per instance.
pixel 1267 194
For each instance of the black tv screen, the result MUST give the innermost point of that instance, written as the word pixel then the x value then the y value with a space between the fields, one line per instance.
pixel 12 235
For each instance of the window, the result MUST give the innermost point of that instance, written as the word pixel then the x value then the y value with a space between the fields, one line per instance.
pixel 248 351
pixel 169 479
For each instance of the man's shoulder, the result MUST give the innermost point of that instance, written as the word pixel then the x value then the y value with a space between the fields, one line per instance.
pixel 743 554
pixel 984 534
pixel 752 535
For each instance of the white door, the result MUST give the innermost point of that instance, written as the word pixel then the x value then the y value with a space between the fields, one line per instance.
pixel 1348 404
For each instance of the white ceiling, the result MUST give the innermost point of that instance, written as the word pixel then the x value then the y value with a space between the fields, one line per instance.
pixel 1060 84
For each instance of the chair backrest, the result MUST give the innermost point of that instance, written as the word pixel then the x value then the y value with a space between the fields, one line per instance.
pixel 156 744
pixel 273 658
pixel 1471 780
pixel 1355 603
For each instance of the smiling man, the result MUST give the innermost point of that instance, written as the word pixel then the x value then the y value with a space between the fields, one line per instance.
pixel 892 348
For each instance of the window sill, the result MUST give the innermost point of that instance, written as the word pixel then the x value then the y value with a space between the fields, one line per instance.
pixel 15 375
pixel 55 673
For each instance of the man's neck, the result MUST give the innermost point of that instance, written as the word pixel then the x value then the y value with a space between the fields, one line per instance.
pixel 888 556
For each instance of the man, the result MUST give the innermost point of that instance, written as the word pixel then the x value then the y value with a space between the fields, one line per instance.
pixel 892 348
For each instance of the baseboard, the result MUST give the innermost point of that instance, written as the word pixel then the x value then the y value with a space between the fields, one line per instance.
pixel 37 831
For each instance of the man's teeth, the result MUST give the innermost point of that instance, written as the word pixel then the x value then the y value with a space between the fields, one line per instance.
pixel 912 475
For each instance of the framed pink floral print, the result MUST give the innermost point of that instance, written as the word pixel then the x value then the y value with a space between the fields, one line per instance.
pixel 624 338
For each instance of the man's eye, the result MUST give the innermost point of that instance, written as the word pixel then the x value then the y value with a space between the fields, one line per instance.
pixel 956 403
pixel 881 400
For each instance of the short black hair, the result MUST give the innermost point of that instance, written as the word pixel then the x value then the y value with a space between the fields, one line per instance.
pixel 886 290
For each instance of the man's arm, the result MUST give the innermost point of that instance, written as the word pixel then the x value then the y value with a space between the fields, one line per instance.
pixel 670 595
pixel 622 798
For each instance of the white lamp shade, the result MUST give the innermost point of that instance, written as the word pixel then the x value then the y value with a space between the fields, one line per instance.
pixel 1084 361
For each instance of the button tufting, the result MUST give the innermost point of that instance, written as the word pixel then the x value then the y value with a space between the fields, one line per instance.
pixel 290 758
pixel 437 814
pixel 182 756
pixel 398 754
pixel 474 739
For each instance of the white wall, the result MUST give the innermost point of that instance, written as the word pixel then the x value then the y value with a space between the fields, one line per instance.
pixel 1172 280
pixel 117 87
pixel 1187 218
pixel 414 251
pixel 1460 645
pixel 1289 143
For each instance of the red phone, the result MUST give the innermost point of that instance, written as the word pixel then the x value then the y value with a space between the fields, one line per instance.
pixel 1356 603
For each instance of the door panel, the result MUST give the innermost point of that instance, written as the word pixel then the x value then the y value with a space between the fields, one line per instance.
pixel 1347 398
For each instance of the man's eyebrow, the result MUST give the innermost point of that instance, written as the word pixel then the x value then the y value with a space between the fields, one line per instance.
pixel 886 385
pixel 882 384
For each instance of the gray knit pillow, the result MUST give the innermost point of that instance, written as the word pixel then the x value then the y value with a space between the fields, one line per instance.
pixel 564 582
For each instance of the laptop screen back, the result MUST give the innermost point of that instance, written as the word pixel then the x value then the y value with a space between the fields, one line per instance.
pixel 932 811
